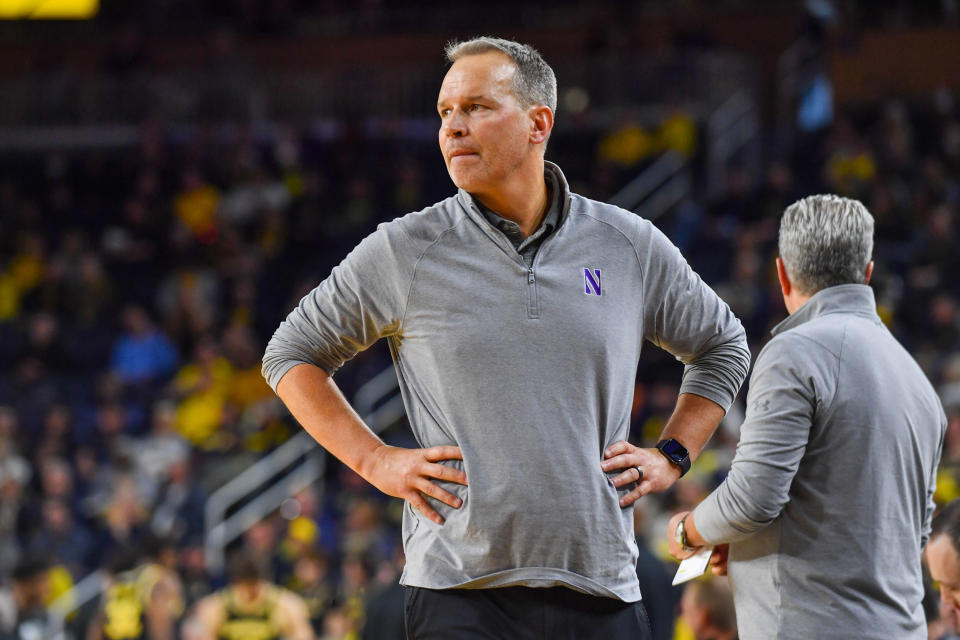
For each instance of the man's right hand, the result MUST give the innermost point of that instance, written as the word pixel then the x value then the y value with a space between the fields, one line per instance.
pixel 315 401
pixel 407 474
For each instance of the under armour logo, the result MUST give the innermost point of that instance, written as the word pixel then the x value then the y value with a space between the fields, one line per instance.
pixel 761 405
pixel 591 282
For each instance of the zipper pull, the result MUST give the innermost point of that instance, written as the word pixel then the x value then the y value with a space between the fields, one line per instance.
pixel 530 277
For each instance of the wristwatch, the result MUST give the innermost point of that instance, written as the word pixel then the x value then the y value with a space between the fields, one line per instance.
pixel 680 535
pixel 676 453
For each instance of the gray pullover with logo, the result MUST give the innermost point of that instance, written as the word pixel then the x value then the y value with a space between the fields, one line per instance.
pixel 529 370
pixel 829 498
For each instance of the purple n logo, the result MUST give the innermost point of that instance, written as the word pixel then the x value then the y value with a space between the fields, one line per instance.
pixel 591 282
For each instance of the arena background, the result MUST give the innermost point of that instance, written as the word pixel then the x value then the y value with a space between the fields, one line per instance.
pixel 175 175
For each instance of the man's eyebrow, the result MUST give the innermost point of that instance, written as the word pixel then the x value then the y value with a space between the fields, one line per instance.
pixel 478 97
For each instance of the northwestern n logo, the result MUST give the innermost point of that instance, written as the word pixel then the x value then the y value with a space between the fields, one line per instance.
pixel 591 282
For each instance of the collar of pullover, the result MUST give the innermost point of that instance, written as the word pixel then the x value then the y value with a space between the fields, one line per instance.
pixel 555 216
pixel 844 298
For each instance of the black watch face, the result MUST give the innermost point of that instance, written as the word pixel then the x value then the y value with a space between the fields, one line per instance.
pixel 674 450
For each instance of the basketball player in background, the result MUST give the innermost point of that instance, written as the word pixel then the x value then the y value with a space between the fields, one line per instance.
pixel 250 608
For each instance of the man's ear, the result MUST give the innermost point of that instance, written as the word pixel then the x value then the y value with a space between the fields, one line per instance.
pixel 785 285
pixel 541 123
pixel 869 272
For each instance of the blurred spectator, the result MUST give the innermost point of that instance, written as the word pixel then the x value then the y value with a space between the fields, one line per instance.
pixel 188 300
pixel 90 299
pixel 178 511
pixel 63 539
pixel 742 291
pixel 124 516
pixel 356 573
pixel 45 346
pixel 301 538
pixel 850 164
pixel 23 611
pixel 677 132
pixel 815 102
pixel 56 478
pixel 142 354
pixel 55 440
pixel 15 473
pixel 132 247
pixel 252 195
pixel 934 252
pixel 201 387
pixel 260 545
pixel 142 600
pixel 252 405
pixel 707 608
pixel 312 581
pixel 196 206
pixel 384 608
pixel 193 571
pixel 25 270
pixel 154 454
pixel 626 146
pixel 337 625
pixel 363 531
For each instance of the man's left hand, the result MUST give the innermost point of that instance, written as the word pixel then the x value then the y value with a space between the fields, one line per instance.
pixel 674 547
pixel 649 468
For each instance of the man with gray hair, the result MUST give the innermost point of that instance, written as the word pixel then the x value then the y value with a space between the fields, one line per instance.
pixel 828 502
pixel 516 312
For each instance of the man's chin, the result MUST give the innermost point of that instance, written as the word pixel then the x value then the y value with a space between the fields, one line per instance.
pixel 464 181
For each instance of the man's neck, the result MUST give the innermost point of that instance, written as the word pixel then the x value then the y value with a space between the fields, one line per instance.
pixel 523 200
pixel 794 301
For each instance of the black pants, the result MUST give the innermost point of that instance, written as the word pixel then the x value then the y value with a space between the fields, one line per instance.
pixel 520 613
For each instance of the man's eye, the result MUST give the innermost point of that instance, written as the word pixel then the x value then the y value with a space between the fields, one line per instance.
pixel 444 112
pixel 476 107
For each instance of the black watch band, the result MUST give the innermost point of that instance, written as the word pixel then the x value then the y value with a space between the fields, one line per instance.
pixel 676 453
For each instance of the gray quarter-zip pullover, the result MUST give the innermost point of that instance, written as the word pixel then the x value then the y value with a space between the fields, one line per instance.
pixel 829 498
pixel 529 370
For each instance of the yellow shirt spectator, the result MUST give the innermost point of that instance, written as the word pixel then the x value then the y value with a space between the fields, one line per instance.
pixel 205 387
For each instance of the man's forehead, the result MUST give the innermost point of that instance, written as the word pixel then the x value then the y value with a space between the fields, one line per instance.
pixel 479 74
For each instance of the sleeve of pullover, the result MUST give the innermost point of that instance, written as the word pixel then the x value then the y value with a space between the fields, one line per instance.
pixel 773 438
pixel 688 319
pixel 932 485
pixel 362 300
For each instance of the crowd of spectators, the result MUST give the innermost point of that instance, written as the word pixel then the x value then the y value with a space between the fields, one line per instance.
pixel 139 286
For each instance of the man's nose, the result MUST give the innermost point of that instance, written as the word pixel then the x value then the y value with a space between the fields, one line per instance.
pixel 455 127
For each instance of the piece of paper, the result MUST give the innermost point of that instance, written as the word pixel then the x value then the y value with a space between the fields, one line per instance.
pixel 694 566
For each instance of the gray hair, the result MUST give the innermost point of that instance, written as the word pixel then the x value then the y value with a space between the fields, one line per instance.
pixel 826 240
pixel 947 523
pixel 534 82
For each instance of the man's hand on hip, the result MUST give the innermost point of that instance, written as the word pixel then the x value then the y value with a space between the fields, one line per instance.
pixel 649 468
pixel 316 402
pixel 407 473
